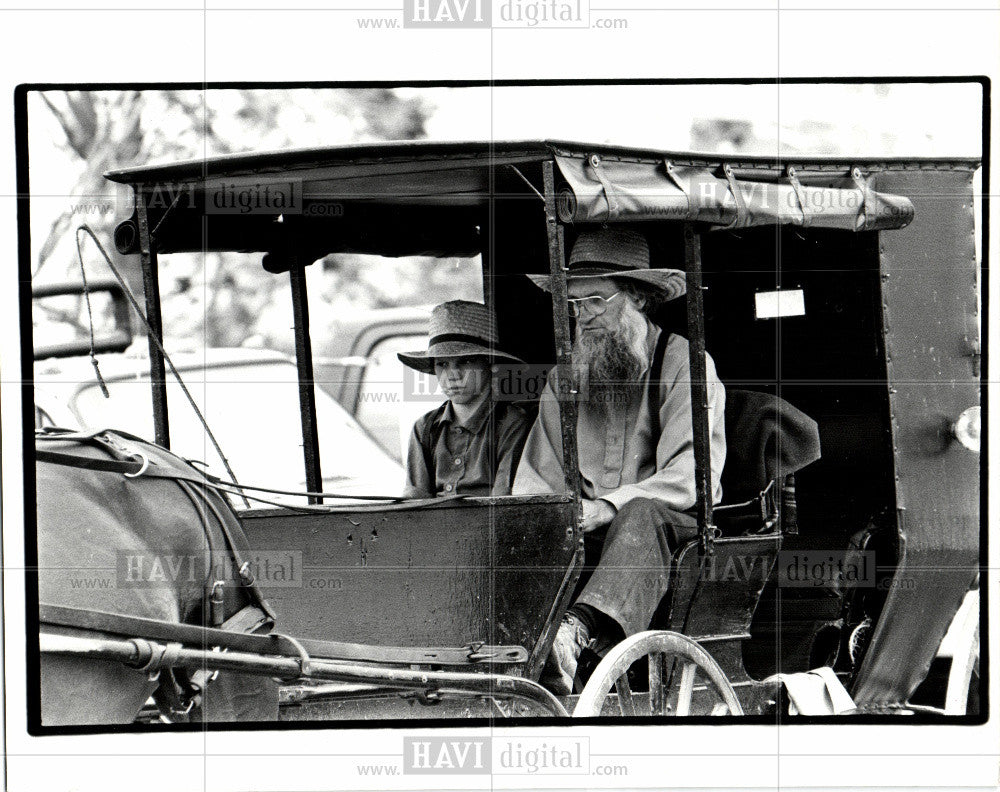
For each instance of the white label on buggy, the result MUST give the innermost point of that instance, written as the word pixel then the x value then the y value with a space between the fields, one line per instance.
pixel 773 304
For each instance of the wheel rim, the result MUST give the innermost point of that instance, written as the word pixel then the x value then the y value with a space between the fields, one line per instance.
pixel 674 661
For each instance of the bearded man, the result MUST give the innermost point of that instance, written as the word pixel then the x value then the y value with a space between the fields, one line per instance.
pixel 635 443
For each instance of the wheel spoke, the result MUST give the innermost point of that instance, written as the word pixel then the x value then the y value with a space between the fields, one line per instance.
pixel 686 690
pixel 657 690
pixel 624 690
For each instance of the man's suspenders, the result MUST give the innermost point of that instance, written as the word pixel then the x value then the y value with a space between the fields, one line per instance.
pixel 654 384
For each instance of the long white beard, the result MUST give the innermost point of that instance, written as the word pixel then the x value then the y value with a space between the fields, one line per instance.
pixel 614 365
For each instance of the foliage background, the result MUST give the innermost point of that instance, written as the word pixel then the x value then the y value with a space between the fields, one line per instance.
pixel 213 299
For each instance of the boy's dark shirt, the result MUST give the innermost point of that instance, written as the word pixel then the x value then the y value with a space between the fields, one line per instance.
pixel 477 458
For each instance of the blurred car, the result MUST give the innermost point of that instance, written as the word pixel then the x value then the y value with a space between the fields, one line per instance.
pixel 357 366
pixel 249 398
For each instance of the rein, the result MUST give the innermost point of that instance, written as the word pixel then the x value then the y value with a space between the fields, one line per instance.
pixel 153 336
pixel 133 463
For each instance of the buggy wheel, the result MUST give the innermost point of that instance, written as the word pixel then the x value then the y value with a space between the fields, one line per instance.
pixel 962 643
pixel 674 663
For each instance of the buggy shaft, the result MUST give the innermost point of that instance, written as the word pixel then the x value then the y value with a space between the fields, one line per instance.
pixel 136 653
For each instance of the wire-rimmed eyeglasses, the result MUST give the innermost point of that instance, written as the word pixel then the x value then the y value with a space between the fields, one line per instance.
pixel 595 304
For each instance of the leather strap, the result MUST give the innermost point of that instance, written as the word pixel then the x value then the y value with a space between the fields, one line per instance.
pixel 62 433
pixel 242 567
pixel 175 696
pixel 89 463
pixel 742 215
pixel 180 688
pixel 594 160
pixel 655 370
pixel 119 624
pixel 800 195
pixel 130 466
pixel 680 183
pixel 866 203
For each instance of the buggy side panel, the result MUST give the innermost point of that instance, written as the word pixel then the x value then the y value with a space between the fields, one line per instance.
pixel 715 596
pixel 486 570
pixel 929 305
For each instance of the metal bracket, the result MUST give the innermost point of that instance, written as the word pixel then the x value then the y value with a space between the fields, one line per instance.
pixel 246 575
pixel 217 603
pixel 305 661
pixel 142 468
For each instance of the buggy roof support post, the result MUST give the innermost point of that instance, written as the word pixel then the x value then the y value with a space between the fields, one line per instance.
pixel 562 375
pixel 562 382
pixel 486 257
pixel 151 287
pixel 304 363
pixel 699 386
pixel 487 241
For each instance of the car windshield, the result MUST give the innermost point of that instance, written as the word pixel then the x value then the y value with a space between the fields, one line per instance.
pixel 253 411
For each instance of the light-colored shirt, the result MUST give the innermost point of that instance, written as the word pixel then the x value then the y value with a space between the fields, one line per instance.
pixel 619 458
pixel 475 458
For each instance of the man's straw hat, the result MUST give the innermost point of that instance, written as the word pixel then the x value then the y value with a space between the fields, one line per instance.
pixel 620 253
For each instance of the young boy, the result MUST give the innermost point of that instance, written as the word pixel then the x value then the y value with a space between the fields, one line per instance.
pixel 470 445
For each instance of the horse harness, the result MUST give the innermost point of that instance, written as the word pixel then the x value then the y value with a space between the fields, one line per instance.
pixel 130 456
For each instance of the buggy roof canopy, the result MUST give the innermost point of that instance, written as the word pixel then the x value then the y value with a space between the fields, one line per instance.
pixel 451 183
pixel 608 189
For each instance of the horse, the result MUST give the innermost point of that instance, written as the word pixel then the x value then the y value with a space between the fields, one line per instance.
pixel 125 527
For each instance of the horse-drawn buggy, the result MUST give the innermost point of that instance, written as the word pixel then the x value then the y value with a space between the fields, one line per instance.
pixel 841 291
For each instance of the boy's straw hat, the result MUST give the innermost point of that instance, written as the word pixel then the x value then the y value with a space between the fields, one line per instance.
pixel 458 329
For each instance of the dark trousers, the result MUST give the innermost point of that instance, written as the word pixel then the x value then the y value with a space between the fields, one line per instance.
pixel 627 565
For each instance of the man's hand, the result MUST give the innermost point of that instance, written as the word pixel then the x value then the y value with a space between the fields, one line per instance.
pixel 596 514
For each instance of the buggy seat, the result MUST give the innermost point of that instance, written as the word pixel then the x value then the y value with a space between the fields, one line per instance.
pixel 768 441
pixel 713 598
